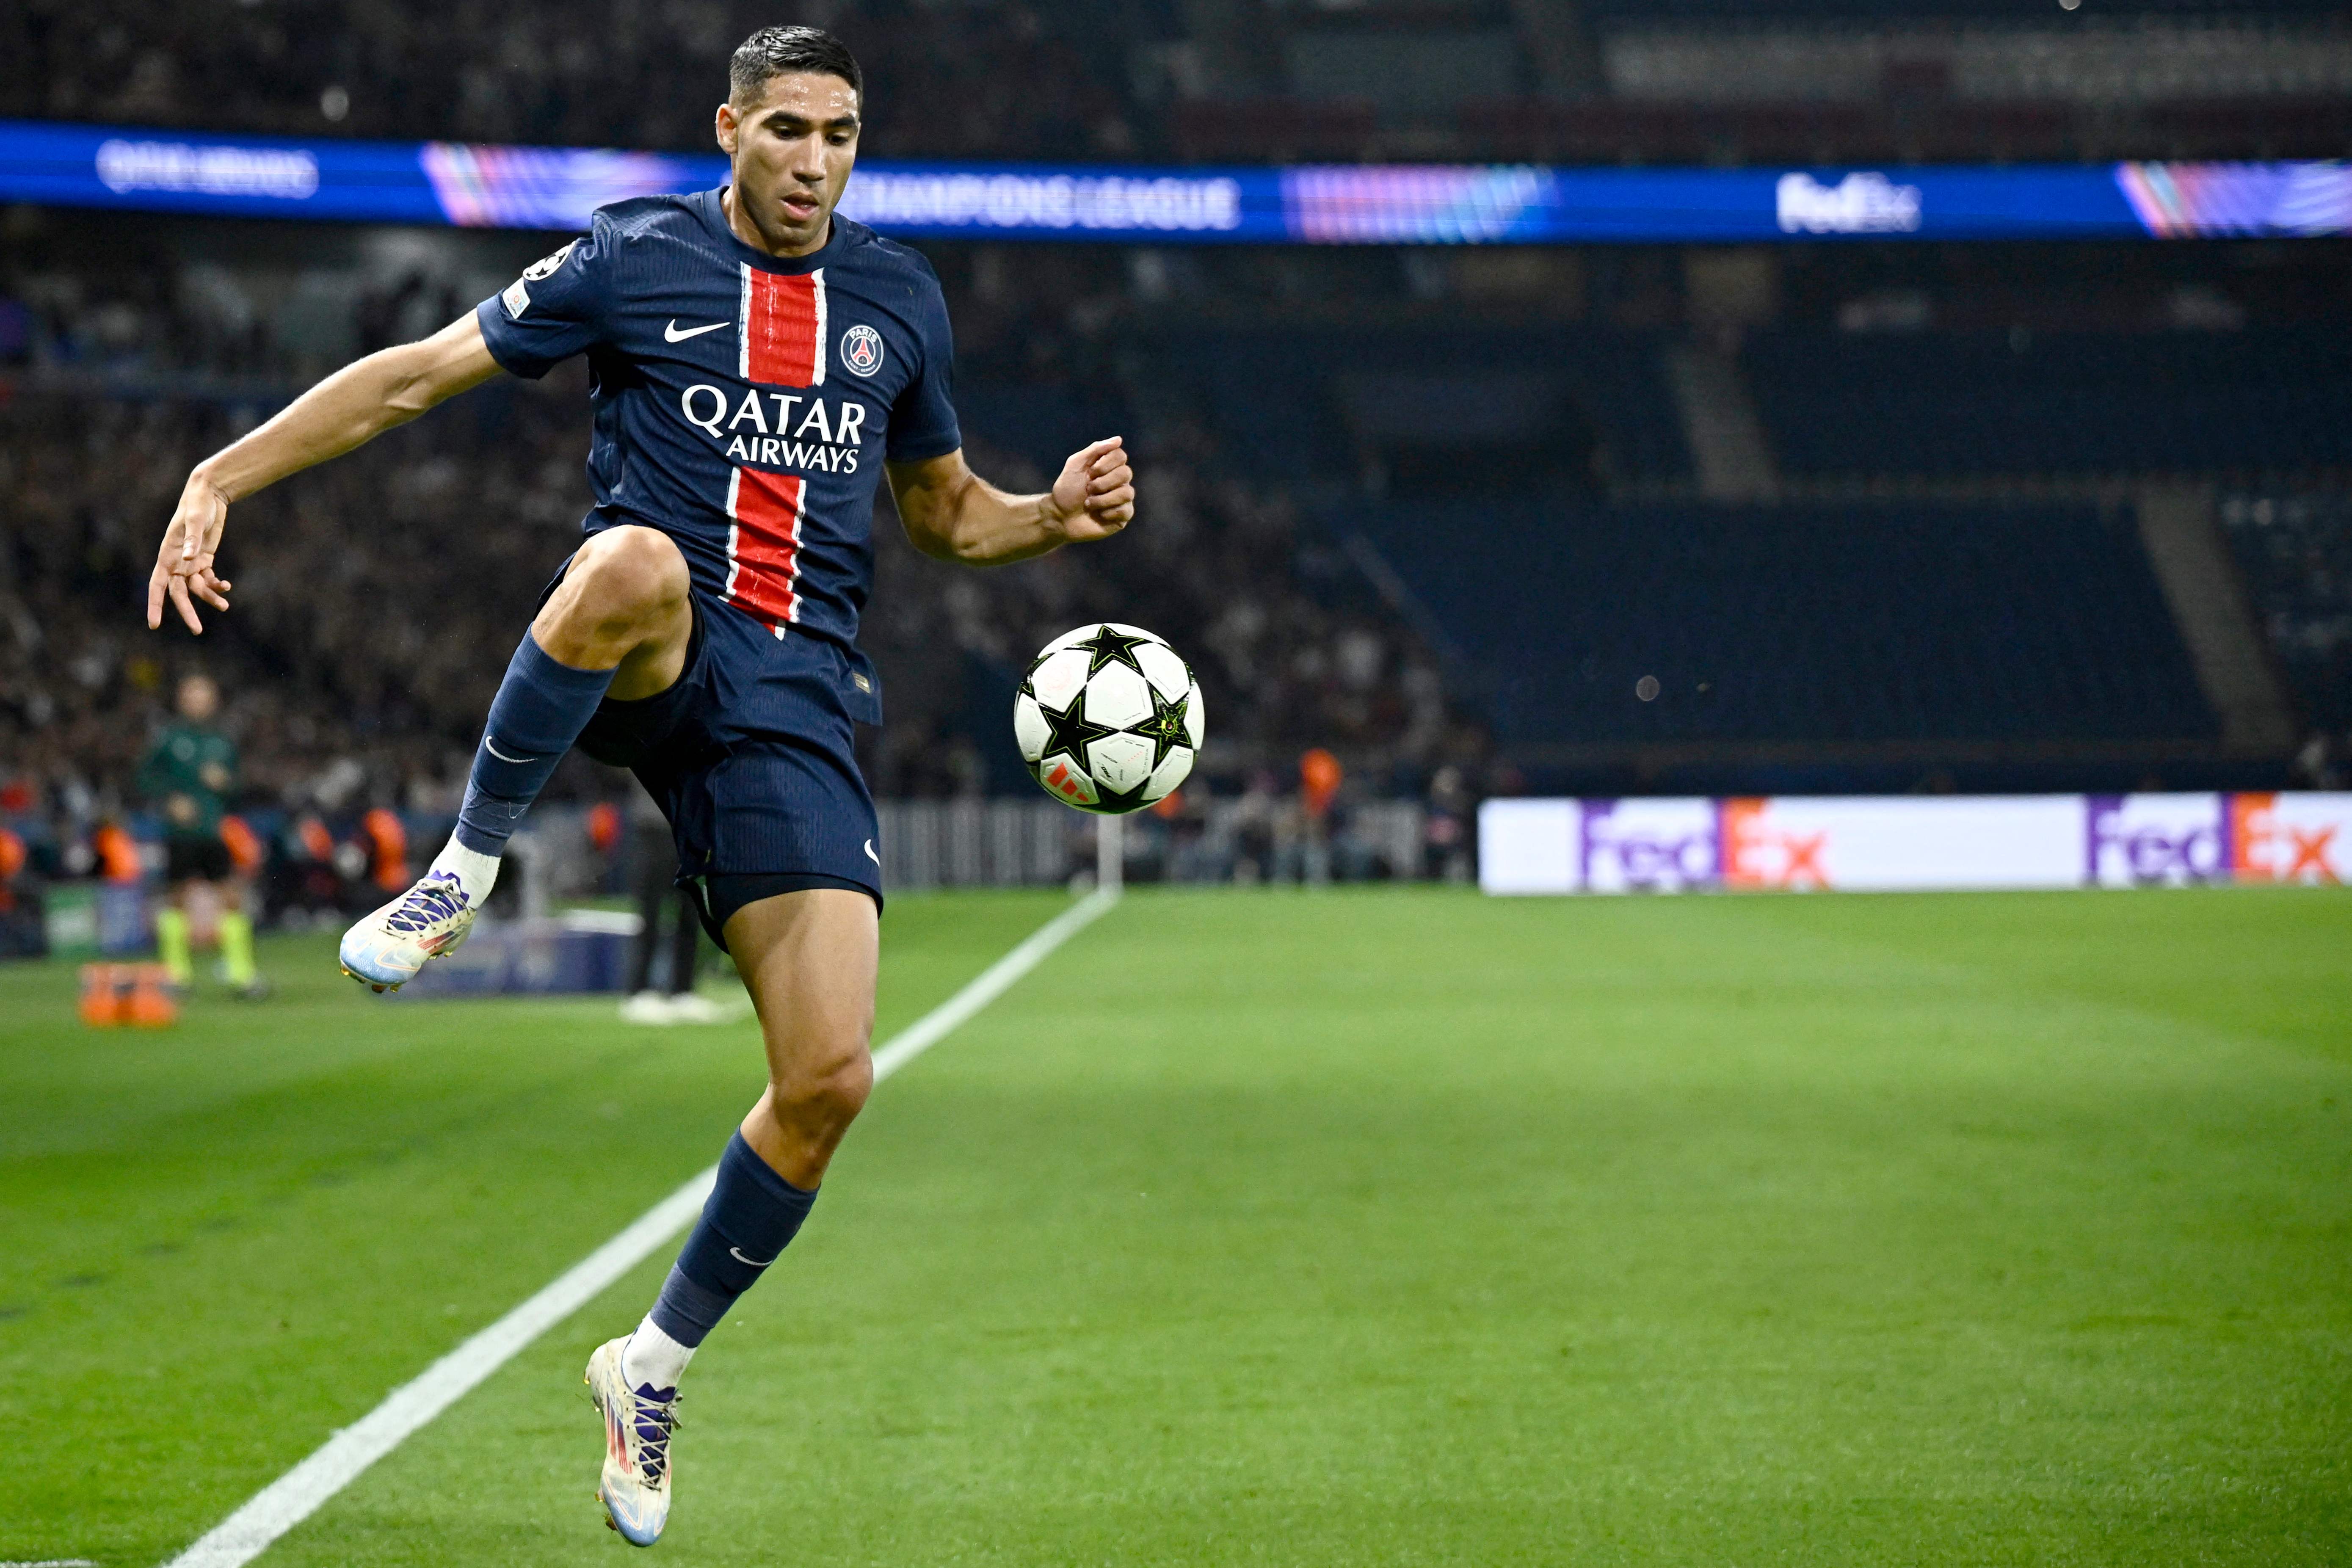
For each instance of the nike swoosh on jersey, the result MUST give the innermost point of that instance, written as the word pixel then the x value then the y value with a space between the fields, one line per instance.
pixel 870 853
pixel 671 334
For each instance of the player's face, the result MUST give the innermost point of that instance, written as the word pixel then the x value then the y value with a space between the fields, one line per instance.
pixel 792 152
pixel 199 699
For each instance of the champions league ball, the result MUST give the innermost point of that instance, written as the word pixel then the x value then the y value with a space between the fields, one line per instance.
pixel 1108 718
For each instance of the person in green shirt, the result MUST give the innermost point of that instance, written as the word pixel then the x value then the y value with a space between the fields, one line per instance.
pixel 188 778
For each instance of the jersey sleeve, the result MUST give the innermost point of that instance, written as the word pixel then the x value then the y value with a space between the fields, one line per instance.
pixel 558 308
pixel 923 421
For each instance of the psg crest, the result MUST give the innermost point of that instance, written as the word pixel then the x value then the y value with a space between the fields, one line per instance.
pixel 861 350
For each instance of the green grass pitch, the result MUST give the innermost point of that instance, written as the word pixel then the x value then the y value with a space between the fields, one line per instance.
pixel 1385 1227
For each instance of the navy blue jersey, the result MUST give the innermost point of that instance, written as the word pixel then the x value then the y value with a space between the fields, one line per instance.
pixel 743 404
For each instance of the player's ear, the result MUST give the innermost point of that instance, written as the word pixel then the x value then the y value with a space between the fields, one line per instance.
pixel 724 127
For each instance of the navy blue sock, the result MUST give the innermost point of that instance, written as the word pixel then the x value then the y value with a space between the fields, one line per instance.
pixel 750 1219
pixel 541 709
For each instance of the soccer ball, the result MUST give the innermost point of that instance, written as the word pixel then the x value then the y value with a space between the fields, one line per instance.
pixel 1108 717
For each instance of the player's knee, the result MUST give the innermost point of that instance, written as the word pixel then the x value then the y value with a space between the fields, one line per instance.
pixel 631 571
pixel 828 1086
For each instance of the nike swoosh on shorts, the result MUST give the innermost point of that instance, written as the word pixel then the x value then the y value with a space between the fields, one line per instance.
pixel 671 334
pixel 870 853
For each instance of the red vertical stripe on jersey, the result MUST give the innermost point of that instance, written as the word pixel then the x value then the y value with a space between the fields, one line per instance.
pixel 764 546
pixel 784 327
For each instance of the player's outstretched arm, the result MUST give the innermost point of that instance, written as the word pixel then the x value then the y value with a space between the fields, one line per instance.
pixel 356 403
pixel 953 513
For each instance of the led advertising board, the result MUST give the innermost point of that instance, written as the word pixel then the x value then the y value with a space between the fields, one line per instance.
pixel 478 185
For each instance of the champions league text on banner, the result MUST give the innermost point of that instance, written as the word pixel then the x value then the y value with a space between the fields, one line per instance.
pixel 556 188
pixel 1911 843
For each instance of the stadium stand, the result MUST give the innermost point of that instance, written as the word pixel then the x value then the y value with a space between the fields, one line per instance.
pixel 379 595
pixel 1040 81
pixel 1288 405
pixel 1284 405
pixel 1724 81
pixel 2021 401
pixel 1868 623
pixel 2296 554
pixel 1583 407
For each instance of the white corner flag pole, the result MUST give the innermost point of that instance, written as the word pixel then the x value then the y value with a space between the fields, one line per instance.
pixel 1110 854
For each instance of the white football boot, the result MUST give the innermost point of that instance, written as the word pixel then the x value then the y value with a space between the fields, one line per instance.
pixel 634 1487
pixel 647 1007
pixel 432 918
pixel 692 1007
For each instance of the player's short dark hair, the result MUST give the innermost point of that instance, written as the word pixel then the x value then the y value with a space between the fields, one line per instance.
pixel 780 51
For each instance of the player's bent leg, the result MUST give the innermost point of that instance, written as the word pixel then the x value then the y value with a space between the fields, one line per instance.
pixel 619 624
pixel 809 959
pixel 622 606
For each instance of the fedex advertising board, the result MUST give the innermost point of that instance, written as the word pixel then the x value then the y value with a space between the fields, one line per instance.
pixel 1528 846
pixel 2291 838
pixel 1889 843
pixel 1648 846
pixel 2155 840
pixel 1902 842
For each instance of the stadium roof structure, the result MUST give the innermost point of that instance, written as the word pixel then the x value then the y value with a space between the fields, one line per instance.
pixel 489 186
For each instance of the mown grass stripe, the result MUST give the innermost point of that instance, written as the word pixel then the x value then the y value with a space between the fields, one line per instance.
pixel 298 1493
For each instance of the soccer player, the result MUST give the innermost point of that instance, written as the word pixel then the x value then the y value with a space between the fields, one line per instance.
pixel 189 774
pixel 757 365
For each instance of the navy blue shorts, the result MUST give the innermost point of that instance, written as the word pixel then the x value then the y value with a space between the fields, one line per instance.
pixel 750 754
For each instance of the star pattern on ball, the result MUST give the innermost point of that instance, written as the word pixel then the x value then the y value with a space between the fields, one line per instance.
pixel 1111 646
pixel 1165 728
pixel 1069 731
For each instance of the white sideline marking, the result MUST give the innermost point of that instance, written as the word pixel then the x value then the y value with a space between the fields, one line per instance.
pixel 295 1495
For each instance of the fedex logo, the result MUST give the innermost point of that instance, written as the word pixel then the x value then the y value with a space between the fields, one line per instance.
pixel 1761 853
pixel 1647 845
pixel 2139 840
pixel 2289 838
pixel 1856 843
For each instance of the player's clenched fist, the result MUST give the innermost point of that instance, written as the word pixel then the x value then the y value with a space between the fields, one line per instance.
pixel 1094 496
pixel 183 563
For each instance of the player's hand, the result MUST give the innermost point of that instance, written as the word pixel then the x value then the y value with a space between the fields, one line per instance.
pixel 1094 496
pixel 184 564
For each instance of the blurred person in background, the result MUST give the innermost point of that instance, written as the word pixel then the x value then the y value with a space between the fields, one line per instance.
pixel 188 776
pixel 1448 828
pixel 21 929
pixel 653 877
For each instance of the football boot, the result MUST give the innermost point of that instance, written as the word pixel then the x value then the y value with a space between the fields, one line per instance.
pixel 385 951
pixel 634 1487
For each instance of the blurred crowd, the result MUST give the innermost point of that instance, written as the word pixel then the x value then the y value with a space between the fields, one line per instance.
pixel 378 598
pixel 956 80
pixel 1721 82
